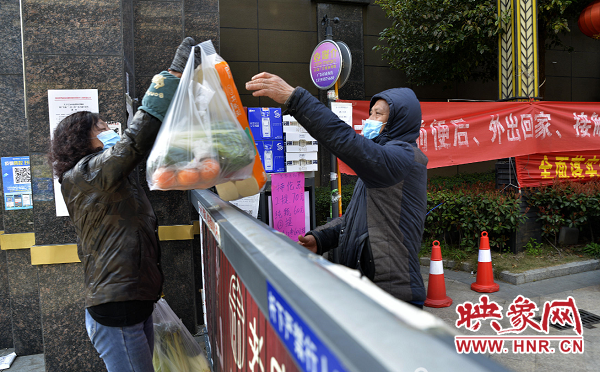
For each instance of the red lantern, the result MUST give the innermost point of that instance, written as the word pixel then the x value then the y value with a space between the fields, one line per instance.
pixel 589 20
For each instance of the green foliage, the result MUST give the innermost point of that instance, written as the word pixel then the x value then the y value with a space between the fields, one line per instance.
pixel 571 204
pixel 554 16
pixel 533 248
pixel 450 183
pixel 447 41
pixel 592 249
pixel 466 211
pixel 323 201
pixel 442 41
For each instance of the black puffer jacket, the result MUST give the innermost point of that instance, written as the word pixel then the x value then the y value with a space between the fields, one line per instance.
pixel 383 224
pixel 115 223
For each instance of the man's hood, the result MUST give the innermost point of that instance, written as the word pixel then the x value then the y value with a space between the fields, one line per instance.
pixel 404 122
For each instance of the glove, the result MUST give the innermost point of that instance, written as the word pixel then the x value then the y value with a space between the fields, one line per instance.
pixel 158 97
pixel 183 53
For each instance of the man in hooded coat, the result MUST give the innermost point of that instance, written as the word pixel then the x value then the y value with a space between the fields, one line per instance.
pixel 380 233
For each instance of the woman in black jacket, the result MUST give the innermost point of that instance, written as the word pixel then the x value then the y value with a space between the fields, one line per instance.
pixel 115 223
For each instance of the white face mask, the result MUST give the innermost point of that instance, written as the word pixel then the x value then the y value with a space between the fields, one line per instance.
pixel 371 128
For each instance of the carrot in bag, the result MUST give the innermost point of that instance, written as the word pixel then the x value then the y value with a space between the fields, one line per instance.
pixel 232 190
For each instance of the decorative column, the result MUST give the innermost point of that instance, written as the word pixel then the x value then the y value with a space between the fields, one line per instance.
pixel 526 43
pixel 506 57
pixel 518 50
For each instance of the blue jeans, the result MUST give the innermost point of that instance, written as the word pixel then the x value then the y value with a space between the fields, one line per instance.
pixel 123 349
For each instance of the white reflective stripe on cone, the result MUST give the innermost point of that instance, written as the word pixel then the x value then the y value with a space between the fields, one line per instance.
pixel 436 267
pixel 485 255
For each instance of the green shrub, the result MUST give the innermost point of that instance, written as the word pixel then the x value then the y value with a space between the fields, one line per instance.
pixel 487 179
pixel 570 204
pixel 533 248
pixel 323 202
pixel 593 249
pixel 460 215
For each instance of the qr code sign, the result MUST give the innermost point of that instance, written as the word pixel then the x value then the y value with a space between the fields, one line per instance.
pixel 21 175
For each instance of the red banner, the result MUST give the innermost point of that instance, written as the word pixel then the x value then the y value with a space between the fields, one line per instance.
pixel 454 133
pixel 544 169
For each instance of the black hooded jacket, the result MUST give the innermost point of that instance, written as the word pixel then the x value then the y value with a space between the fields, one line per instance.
pixel 383 224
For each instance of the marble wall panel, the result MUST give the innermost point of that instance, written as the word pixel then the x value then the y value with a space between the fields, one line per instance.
pixel 281 15
pixel 10 38
pixel 25 302
pixel 178 267
pixel 49 229
pixel 128 47
pixel 44 72
pixel 67 346
pixel 13 137
pixel 6 339
pixel 201 20
pixel 13 125
pixel 238 13
pixel 72 27
pixel 158 33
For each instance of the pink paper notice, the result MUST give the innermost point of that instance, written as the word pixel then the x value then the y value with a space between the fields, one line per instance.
pixel 287 194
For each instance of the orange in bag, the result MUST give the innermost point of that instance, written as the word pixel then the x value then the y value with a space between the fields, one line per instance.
pixel 258 171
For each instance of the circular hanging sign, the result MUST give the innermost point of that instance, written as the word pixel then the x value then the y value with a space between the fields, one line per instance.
pixel 326 64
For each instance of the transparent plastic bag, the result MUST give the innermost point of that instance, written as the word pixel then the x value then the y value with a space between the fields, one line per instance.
pixel 200 143
pixel 175 349
pixel 232 190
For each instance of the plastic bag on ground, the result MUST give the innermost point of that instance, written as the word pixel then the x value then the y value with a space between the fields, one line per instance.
pixel 175 349
pixel 201 143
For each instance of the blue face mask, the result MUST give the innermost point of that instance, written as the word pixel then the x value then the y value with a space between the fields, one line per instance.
pixel 109 138
pixel 371 128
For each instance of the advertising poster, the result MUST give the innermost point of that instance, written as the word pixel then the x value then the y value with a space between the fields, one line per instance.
pixel 62 103
pixel 16 178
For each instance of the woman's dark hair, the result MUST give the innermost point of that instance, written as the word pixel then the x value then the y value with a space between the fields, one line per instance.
pixel 71 141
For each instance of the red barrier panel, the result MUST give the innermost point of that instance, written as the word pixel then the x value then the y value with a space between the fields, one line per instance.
pixel 240 336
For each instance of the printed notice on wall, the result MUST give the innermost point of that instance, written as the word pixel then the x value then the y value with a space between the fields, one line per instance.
pixel 16 179
pixel 62 103
pixel 249 204
pixel 343 110
pixel 287 193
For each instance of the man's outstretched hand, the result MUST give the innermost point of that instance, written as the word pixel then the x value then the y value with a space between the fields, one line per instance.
pixel 269 85
pixel 309 242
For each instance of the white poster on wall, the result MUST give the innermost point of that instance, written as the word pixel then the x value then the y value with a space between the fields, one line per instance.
pixel 62 103
pixel 343 110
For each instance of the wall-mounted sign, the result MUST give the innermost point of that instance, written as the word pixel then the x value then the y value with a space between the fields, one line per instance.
pixel 326 64
pixel 62 103
pixel 16 178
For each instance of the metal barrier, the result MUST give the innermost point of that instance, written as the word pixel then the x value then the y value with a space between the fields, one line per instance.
pixel 270 305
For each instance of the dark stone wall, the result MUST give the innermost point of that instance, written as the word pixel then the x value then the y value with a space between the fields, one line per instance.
pixel 573 76
pixel 19 303
pixel 159 27
pixel 115 47
pixel 67 45
pixel 6 339
pixel 268 35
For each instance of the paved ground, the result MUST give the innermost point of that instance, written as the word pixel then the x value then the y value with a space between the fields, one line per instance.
pixel 30 363
pixel 583 287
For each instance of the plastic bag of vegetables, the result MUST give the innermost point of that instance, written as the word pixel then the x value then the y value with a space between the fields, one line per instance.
pixel 175 349
pixel 201 143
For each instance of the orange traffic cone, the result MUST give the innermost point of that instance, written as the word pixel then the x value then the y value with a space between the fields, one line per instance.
pixel 436 288
pixel 485 272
